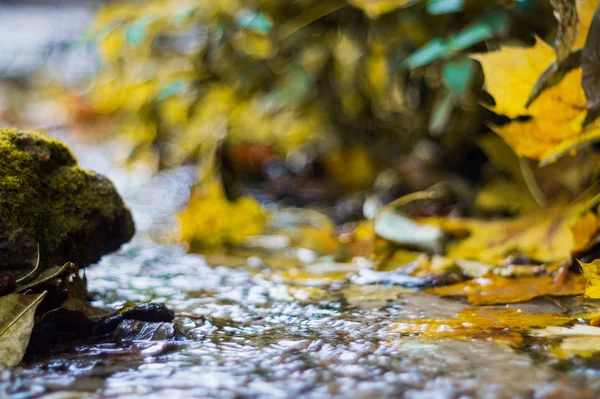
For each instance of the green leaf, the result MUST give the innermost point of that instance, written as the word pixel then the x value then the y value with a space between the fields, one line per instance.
pixel 457 75
pixel 427 54
pixel 491 24
pixel 439 7
pixel 16 322
pixel 487 27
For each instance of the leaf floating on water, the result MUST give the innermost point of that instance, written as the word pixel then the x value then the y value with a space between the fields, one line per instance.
pixel 16 322
pixel 583 346
pixel 493 289
pixel 578 330
pixel 504 326
pixel 579 340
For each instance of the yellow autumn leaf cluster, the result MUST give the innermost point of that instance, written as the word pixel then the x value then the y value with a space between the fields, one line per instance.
pixel 545 236
pixel 507 260
pixel 211 220
pixel 222 110
pixel 555 124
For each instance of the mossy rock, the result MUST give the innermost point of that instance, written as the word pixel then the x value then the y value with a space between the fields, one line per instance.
pixel 52 209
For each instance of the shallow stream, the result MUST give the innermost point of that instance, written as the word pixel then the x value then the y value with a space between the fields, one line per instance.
pixel 257 333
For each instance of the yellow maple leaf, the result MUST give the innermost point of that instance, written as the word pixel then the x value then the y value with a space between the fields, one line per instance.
pixel 591 272
pixel 588 136
pixel 511 72
pixel 548 129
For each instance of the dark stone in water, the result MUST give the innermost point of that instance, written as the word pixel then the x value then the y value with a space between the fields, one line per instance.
pixel 136 330
pixel 146 312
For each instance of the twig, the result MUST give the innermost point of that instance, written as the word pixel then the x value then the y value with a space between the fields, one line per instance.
pixel 556 302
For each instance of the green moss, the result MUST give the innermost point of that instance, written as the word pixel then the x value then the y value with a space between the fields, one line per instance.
pixel 44 194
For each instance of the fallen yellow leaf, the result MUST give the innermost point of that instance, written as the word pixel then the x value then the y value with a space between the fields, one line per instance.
pixel 544 236
pixel 583 230
pixel 493 289
pixel 591 271
pixel 211 220
pixel 503 195
pixel 504 326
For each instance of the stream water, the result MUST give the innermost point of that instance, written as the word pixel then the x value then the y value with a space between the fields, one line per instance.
pixel 255 334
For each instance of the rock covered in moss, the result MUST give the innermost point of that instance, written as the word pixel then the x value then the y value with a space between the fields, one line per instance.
pixel 52 209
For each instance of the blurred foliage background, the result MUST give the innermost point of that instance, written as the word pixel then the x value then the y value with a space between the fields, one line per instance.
pixel 343 87
pixel 338 104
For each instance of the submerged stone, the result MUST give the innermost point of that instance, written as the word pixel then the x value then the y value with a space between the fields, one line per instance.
pixel 51 210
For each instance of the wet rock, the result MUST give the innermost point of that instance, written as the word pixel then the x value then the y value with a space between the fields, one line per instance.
pixel 148 312
pixel 136 330
pixel 52 209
